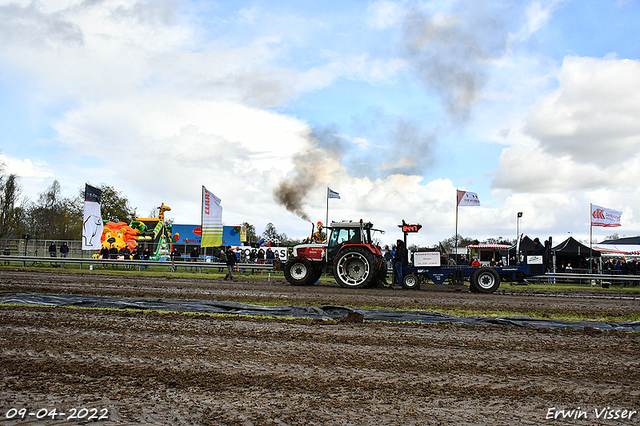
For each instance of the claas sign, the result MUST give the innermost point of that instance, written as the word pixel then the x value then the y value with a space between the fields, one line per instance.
pixel 410 228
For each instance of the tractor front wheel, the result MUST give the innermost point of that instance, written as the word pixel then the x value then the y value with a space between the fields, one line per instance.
pixel 300 271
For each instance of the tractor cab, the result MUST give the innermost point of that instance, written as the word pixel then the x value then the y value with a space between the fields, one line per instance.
pixel 348 232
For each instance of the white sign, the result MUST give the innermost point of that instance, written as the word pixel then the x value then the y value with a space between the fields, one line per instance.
pixel 534 260
pixel 431 258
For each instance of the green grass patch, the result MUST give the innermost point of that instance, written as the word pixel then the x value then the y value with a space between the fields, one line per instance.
pixel 566 287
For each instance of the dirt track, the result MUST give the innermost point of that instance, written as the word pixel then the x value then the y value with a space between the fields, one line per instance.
pixel 154 368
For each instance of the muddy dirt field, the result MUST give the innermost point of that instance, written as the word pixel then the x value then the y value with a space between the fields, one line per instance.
pixel 176 369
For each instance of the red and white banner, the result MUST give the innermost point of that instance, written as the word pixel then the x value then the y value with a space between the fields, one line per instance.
pixel 601 216
pixel 466 198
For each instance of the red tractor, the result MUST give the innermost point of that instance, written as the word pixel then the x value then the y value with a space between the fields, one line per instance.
pixel 349 254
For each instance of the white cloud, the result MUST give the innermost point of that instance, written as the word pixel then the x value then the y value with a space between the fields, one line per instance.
pixel 384 14
pixel 538 14
pixel 592 117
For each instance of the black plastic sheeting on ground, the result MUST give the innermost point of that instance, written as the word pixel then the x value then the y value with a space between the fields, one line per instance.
pixel 324 312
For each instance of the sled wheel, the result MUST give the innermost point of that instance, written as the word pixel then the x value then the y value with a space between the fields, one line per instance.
pixel 485 280
pixel 411 282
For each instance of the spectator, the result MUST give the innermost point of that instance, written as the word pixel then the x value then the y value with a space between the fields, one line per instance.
pixel 64 250
pixel 175 254
pixel 194 256
pixel 52 253
pixel 463 261
pixel 223 259
pixel 398 261
pixel 126 254
pixel 146 255
pixel 231 262
pixel 475 263
pixel 270 256
pixel 52 249
pixel 492 263
pixel 568 269
pixel 104 254
pixel 625 270
pixel 6 252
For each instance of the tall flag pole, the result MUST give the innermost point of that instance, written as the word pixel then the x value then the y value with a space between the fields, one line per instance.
pixel 92 224
pixel 330 194
pixel 464 198
pixel 211 219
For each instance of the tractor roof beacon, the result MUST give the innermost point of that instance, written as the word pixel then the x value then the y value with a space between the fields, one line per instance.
pixel 349 254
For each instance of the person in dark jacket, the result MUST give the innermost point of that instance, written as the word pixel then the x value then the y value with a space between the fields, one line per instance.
pixel 398 261
pixel 194 255
pixel 52 249
pixel 231 263
pixel 538 248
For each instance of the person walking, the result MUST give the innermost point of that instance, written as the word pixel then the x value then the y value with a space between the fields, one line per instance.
pixel 231 263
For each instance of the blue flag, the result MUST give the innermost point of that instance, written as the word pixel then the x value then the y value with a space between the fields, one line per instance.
pixel 332 194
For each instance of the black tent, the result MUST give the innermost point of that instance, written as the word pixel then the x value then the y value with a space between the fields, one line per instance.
pixel 571 251
pixel 526 245
pixel 623 241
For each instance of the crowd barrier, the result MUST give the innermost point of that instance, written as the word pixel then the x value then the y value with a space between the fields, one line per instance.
pixel 91 263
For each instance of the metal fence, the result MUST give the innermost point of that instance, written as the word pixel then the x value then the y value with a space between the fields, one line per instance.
pixel 37 247
pixel 90 263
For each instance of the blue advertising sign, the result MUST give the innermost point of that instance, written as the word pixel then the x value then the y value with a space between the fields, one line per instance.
pixel 192 234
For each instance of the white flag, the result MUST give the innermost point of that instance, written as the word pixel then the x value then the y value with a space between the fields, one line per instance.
pixel 466 198
pixel 601 216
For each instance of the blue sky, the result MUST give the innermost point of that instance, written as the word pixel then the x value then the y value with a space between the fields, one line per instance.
pixel 533 105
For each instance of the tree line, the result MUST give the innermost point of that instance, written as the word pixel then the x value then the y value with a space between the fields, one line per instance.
pixel 54 217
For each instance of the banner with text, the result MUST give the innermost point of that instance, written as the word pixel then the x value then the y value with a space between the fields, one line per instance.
pixel 601 216
pixel 466 198
pixel 211 219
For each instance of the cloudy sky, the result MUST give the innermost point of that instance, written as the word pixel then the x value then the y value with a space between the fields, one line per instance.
pixel 533 105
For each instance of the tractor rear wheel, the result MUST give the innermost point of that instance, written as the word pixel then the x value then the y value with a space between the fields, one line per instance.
pixel 485 280
pixel 355 267
pixel 300 271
